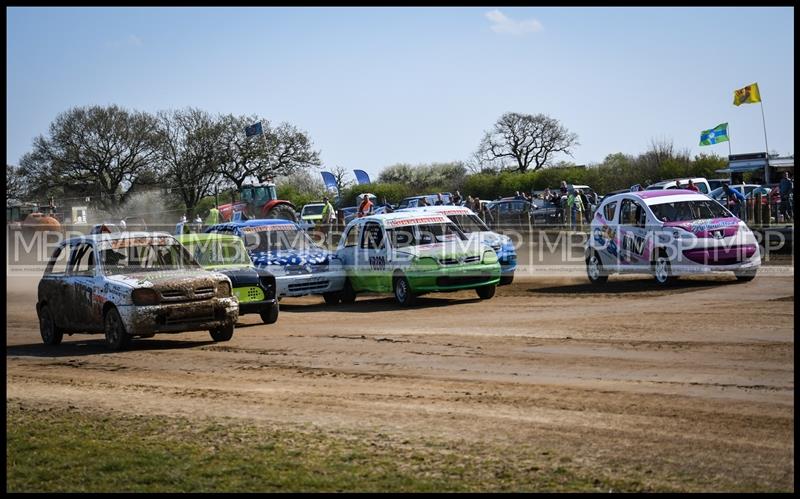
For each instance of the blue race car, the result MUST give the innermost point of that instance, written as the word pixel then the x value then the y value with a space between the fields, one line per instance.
pixel 300 266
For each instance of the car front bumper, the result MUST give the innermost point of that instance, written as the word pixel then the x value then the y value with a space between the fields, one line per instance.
pixel 308 284
pixel 446 279
pixel 179 317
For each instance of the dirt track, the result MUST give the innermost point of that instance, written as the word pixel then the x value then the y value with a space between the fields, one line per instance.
pixel 690 387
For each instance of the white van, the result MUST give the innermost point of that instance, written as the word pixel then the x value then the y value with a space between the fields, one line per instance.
pixel 680 183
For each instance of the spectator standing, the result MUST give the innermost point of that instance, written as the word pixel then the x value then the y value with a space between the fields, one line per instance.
pixel 456 199
pixel 586 209
pixel 213 216
pixel 786 190
pixel 690 186
pixel 423 201
pixel 123 225
pixel 570 209
pixel 365 208
pixel 439 201
pixel 578 211
pixel 735 197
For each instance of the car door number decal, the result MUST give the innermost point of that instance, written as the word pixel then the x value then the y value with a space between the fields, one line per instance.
pixel 377 262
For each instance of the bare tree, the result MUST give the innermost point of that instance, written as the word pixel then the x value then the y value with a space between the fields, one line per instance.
pixel 340 175
pixel 190 149
pixel 107 150
pixel 277 151
pixel 522 141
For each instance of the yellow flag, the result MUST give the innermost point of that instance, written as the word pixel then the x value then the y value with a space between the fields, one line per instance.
pixel 746 95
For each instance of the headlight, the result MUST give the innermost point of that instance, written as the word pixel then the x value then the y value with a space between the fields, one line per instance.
pixel 489 257
pixel 426 263
pixel 223 289
pixel 145 296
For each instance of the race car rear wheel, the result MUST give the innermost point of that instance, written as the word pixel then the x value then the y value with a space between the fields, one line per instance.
pixel 402 292
pixel 332 298
pixel 270 314
pixel 51 335
pixel 348 294
pixel 662 270
pixel 222 333
pixel 486 292
pixel 116 336
pixel 745 275
pixel 594 269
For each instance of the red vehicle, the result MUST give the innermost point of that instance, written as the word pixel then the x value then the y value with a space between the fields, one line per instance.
pixel 258 201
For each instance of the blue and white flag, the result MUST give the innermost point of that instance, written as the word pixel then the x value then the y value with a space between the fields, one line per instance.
pixel 362 177
pixel 330 181
pixel 253 130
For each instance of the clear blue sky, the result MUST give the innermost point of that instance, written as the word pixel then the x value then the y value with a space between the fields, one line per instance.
pixel 378 86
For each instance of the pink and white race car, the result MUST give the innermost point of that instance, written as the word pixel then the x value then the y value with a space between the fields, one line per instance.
pixel 667 233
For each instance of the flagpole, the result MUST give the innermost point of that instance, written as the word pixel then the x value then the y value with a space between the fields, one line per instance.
pixel 766 144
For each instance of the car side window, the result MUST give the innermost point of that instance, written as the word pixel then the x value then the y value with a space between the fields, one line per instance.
pixel 627 212
pixel 608 211
pixel 83 260
pixel 58 262
pixel 351 239
pixel 372 236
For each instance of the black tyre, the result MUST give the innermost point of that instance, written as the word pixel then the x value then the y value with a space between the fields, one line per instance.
pixel 486 292
pixel 594 269
pixel 222 333
pixel 332 298
pixel 51 335
pixel 348 294
pixel 662 271
pixel 506 280
pixel 282 211
pixel 116 336
pixel 403 293
pixel 270 314
pixel 745 275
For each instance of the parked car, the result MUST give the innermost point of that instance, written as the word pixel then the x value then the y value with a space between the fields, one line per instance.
pixel 311 213
pixel 668 233
pixel 131 284
pixel 255 289
pixel 715 183
pixel 680 183
pixel 471 225
pixel 512 212
pixel 300 266
pixel 413 201
pixel 409 253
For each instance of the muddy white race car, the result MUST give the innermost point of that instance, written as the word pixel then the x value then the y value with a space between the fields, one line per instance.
pixel 131 284
pixel 668 233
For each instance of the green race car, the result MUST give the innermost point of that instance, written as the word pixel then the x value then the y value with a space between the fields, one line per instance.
pixel 254 288
pixel 409 254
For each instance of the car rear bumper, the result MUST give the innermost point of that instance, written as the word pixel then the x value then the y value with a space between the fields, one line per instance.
pixel 308 284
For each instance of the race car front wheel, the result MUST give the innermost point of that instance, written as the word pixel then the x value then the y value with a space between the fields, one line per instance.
pixel 594 269
pixel 402 292
pixel 116 336
pixel 222 333
pixel 51 335
pixel 270 314
pixel 486 292
pixel 348 294
pixel 332 298
pixel 745 275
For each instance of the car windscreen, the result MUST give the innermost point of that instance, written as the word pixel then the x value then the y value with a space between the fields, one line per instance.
pixel 312 210
pixel 278 240
pixel 141 257
pixel 684 211
pixel 216 252
pixel 469 223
